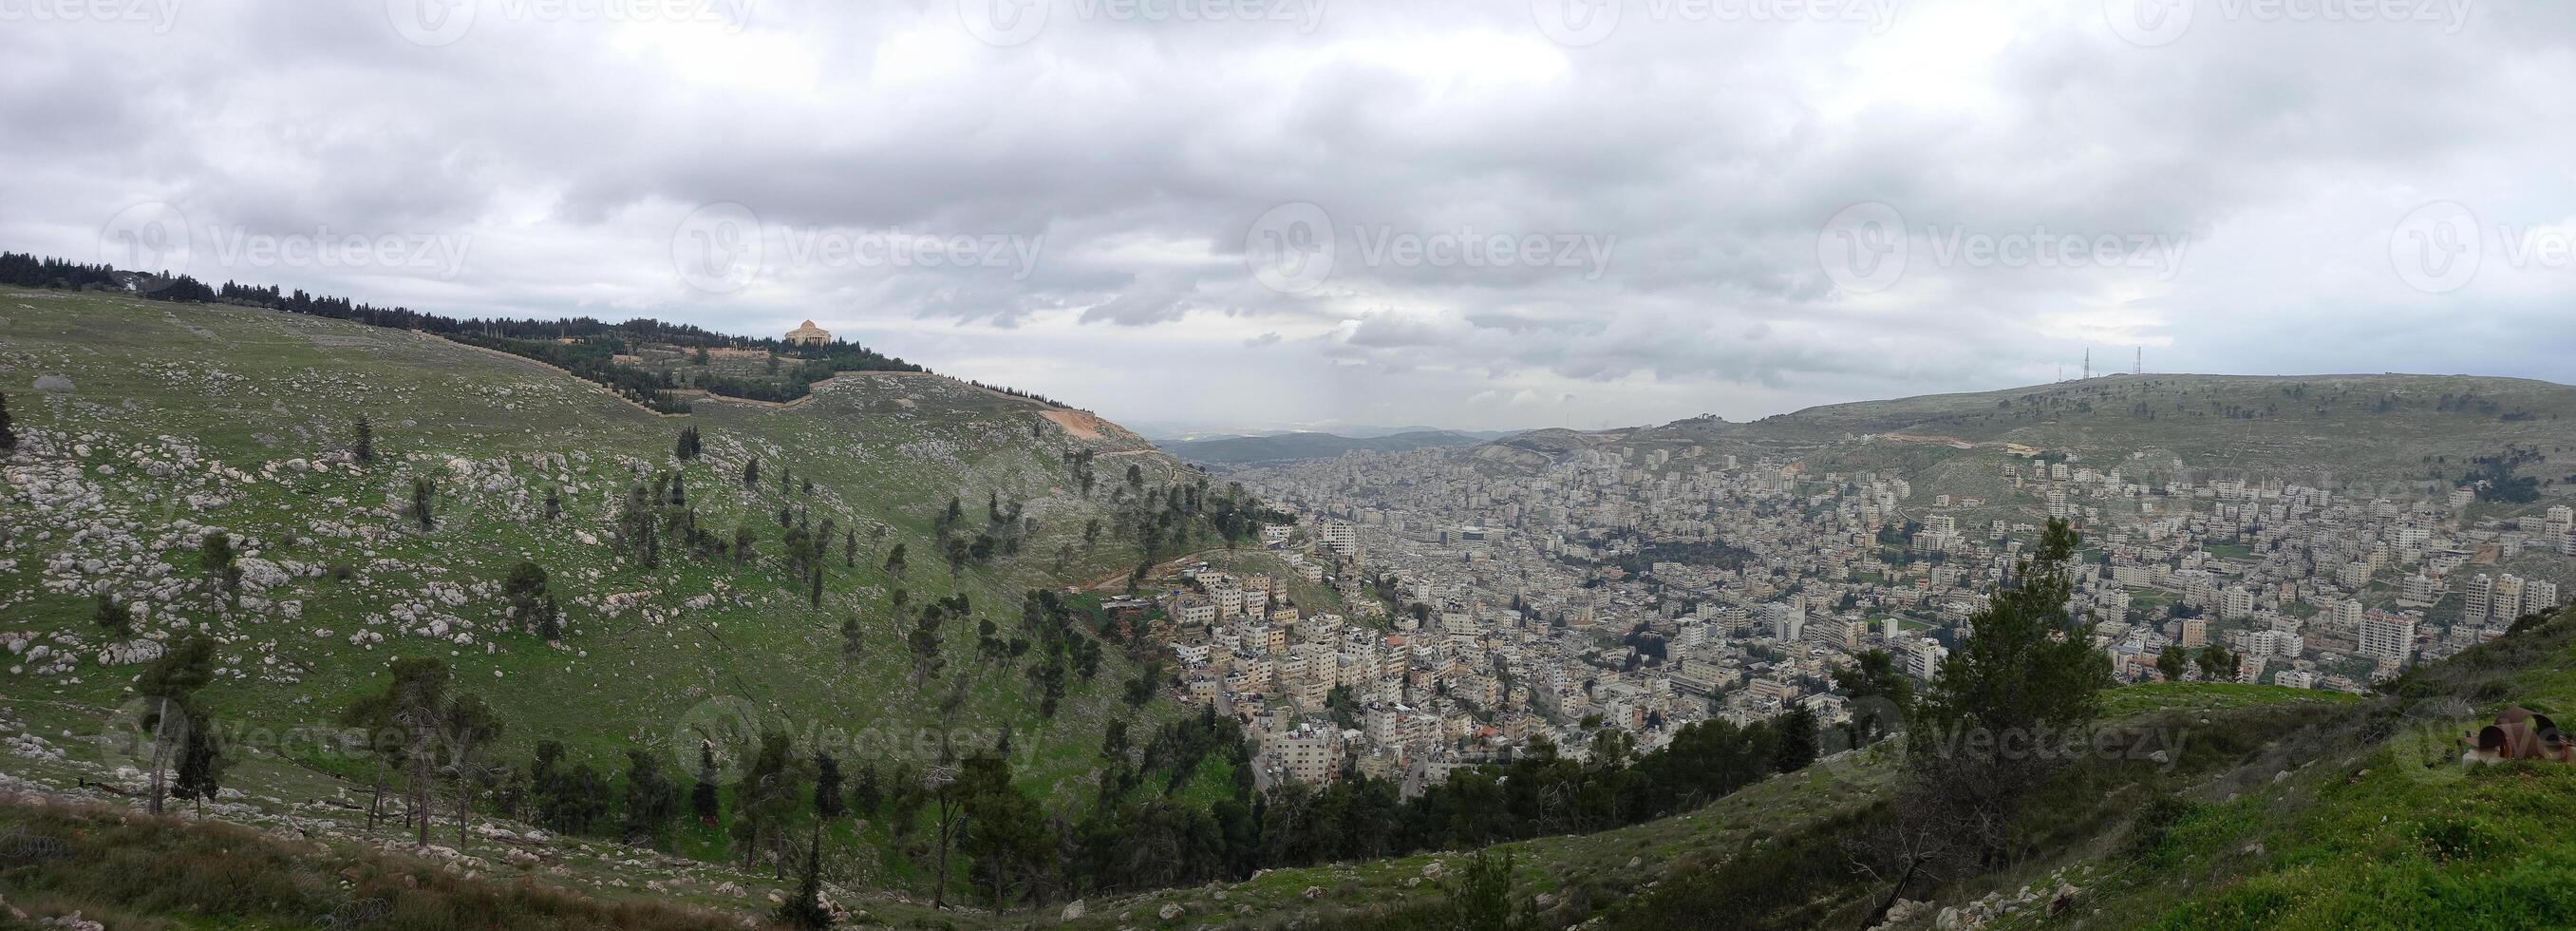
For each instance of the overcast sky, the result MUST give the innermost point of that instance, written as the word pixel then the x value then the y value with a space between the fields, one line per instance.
pixel 1327 212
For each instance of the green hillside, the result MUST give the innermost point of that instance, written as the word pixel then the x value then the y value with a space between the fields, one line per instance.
pixel 1301 447
pixel 146 426
pixel 2357 433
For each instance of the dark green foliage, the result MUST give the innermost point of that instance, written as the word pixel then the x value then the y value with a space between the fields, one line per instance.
pixel 828 802
pixel 1481 899
pixel 424 493
pixel 652 799
pixel 202 762
pixel 218 559
pixel 688 446
pixel 362 441
pixel 805 910
pixel 530 605
pixel 113 616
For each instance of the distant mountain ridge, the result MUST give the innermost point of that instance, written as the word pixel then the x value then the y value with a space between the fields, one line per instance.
pixel 2419 431
pixel 1303 447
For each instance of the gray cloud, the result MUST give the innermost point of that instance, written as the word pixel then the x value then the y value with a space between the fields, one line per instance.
pixel 1684 173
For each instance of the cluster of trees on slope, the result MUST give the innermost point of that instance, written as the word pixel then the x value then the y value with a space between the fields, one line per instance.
pixel 1138 836
pixel 582 345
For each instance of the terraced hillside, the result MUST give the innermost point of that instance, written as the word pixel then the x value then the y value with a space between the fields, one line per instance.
pixel 148 427
pixel 2331 430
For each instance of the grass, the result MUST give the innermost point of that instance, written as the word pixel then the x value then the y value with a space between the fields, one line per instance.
pixel 2385 829
pixel 138 872
pixel 210 397
pixel 2147 698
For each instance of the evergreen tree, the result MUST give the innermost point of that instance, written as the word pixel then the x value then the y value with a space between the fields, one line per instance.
pixel 2216 663
pixel 2174 662
pixel 1482 898
pixel 530 605
pixel 221 562
pixel 805 910
pixel 1882 695
pixel 688 445
pixel 1798 740
pixel 751 473
pixel 894 564
pixel 362 444
pixel 827 788
pixel 166 686
pixel 652 800
pixel 423 495
pixel 113 617
pixel 703 801
pixel 202 763
pixel 867 792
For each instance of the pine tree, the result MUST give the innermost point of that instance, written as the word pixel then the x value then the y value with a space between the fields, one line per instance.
pixel 113 617
pixel 2216 663
pixel 1798 741
pixel 166 685
pixel 894 564
pixel 805 909
pixel 423 495
pixel 2174 662
pixel 8 433
pixel 220 562
pixel 362 443
pixel 751 473
pixel 202 763
pixel 827 788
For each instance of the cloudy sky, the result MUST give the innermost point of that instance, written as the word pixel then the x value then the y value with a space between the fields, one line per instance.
pixel 1264 213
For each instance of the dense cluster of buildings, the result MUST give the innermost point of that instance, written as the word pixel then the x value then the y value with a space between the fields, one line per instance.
pixel 1642 589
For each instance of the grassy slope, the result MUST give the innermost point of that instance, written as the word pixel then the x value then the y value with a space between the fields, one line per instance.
pixel 1584 875
pixel 240 388
pixel 2308 428
pixel 2391 833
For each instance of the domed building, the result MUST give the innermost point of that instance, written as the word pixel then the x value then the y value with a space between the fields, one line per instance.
pixel 809 335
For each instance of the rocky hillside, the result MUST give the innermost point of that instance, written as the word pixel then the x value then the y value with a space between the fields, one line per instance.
pixel 148 428
pixel 2341 431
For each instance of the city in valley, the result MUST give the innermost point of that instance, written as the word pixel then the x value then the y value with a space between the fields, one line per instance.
pixel 1287 465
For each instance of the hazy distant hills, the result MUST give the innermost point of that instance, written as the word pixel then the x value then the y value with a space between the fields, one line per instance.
pixel 1301 447
pixel 2330 429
